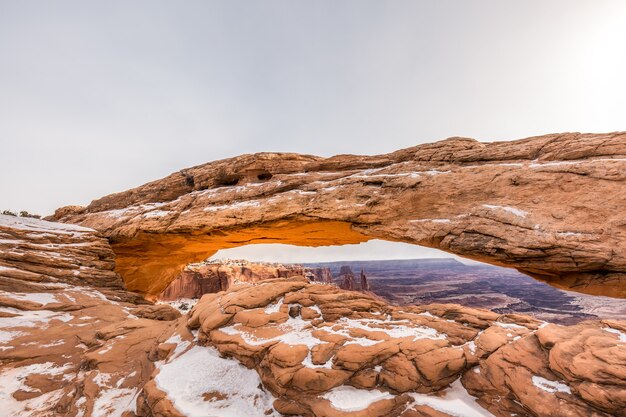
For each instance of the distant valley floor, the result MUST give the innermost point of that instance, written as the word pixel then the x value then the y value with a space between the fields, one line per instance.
pixel 503 290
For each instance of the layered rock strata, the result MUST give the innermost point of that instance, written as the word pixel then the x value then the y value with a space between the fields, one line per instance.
pixel 73 341
pixel 550 206
pixel 217 275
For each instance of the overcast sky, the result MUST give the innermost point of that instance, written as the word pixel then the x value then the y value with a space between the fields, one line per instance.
pixel 99 97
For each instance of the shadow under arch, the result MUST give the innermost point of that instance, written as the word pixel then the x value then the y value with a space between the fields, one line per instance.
pixel 150 261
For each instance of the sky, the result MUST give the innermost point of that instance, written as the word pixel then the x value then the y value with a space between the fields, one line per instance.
pixel 99 97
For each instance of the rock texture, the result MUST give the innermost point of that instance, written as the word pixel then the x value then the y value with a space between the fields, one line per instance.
pixel 550 206
pixel 71 346
pixel 346 277
pixel 34 253
pixel 323 351
pixel 364 285
pixel 73 341
pixel 217 275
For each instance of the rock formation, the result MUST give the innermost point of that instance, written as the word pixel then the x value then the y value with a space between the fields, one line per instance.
pixel 550 206
pixel 323 351
pixel 346 276
pixel 322 275
pixel 364 285
pixel 74 342
pixel 217 275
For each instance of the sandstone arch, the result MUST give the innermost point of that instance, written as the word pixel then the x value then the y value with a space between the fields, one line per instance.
pixel 550 206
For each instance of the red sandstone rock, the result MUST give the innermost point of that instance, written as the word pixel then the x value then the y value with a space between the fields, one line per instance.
pixel 72 349
pixel 550 206
pixel 218 275
pixel 347 277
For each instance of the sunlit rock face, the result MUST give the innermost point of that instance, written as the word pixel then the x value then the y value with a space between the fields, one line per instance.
pixel 550 206
pixel 286 346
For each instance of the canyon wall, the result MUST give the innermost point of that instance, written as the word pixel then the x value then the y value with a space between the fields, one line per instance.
pixel 218 275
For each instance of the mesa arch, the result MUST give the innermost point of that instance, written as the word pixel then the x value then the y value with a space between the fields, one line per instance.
pixel 550 206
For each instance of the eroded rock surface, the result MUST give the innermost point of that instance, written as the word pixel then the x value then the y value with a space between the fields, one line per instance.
pixel 275 347
pixel 73 341
pixel 550 206
pixel 322 351
pixel 215 275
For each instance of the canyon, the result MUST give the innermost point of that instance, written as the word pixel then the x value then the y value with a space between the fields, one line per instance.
pixel 81 336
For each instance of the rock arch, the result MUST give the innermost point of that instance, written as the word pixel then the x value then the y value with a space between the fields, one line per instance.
pixel 550 206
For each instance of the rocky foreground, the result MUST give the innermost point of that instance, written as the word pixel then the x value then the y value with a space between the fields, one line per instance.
pixel 74 342
pixel 550 206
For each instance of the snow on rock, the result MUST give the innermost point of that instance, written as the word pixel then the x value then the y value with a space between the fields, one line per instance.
pixel 36 225
pixel 296 331
pixel 234 206
pixel 509 325
pixel 275 307
pixel 395 329
pixel 14 379
pixel 184 305
pixel 550 386
pixel 456 402
pixel 40 298
pixel 114 402
pixel 517 212
pixel 156 213
pixel 621 335
pixel 431 221
pixel 181 345
pixel 200 383
pixel 347 398
pixel 30 318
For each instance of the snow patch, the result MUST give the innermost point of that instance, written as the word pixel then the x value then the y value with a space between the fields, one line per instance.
pixel 393 329
pixel 621 335
pixel 238 205
pixel 36 225
pixel 156 213
pixel 431 221
pixel 30 318
pixel 509 326
pixel 185 382
pixel 13 379
pixel 114 402
pixel 275 307
pixel 550 386
pixel 35 297
pixel 347 398
pixel 456 402
pixel 517 212
pixel 184 305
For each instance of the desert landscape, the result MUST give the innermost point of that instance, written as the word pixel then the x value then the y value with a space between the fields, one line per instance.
pixel 278 208
pixel 89 325
pixel 503 290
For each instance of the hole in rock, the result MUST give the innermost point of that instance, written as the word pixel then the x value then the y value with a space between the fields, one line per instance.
pixel 402 274
pixel 264 176
pixel 226 180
